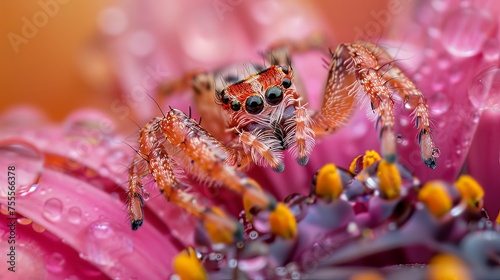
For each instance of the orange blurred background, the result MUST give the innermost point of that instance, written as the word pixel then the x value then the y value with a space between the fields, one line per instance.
pixel 63 66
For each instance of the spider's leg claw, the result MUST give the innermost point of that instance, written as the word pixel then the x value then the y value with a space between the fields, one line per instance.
pixel 136 224
pixel 303 160
pixel 430 162
pixel 280 167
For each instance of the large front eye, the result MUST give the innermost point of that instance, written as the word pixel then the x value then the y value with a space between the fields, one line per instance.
pixel 254 104
pixel 274 95
pixel 235 105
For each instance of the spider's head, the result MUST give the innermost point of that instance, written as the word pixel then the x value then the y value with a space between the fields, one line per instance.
pixel 260 100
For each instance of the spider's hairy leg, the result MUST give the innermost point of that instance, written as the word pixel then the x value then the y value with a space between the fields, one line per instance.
pixel 261 149
pixel 135 202
pixel 153 158
pixel 206 158
pixel 412 97
pixel 365 66
pixel 339 96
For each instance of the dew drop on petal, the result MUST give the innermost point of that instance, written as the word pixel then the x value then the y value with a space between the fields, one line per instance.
pixel 436 152
pixel 145 195
pixel 484 92
pixel 439 103
pixel 27 162
pixel 24 221
pixel 491 50
pixel 106 243
pixel 55 263
pixel 52 209
pixel 38 228
pixel 74 215
pixel 253 264
pixel 465 31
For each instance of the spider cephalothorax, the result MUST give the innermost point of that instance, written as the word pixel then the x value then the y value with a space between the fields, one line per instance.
pixel 266 106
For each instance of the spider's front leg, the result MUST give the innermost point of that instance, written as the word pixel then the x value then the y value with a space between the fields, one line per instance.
pixel 176 143
pixel 364 69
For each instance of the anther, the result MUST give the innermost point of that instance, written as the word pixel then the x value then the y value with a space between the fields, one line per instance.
pixel 435 197
pixel 188 267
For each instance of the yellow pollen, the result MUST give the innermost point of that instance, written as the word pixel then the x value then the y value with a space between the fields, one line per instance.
pixel 444 267
pixel 370 158
pixel 219 227
pixel 435 198
pixel 389 179
pixel 188 267
pixel 282 222
pixel 498 218
pixel 328 182
pixel 471 191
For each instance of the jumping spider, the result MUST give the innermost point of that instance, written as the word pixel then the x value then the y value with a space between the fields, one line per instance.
pixel 265 114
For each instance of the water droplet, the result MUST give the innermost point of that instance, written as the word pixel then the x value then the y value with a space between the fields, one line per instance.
pixel 55 263
pixel 466 30
pixel 399 138
pixel 439 103
pixel 24 221
pixel 27 162
pixel 253 264
pixel 106 242
pixel 475 117
pixel 491 50
pixel 88 126
pixel 145 195
pixel 38 228
pixel 74 215
pixel 253 234
pixel 436 152
pixel 52 209
pixel 29 190
pixel 484 92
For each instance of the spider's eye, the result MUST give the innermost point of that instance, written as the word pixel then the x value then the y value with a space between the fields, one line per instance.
pixel 235 105
pixel 285 69
pixel 254 104
pixel 286 83
pixel 274 95
pixel 224 98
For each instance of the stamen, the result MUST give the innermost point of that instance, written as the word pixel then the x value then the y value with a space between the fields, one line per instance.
pixel 471 191
pixel 434 196
pixel 328 182
pixel 283 222
pixel 370 158
pixel 447 267
pixel 389 179
pixel 188 267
